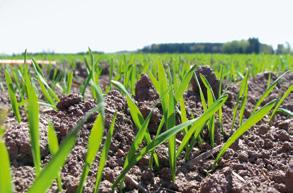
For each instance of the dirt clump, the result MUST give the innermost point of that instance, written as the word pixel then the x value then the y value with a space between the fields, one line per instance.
pixel 221 182
pixel 144 89
pixel 209 74
pixel 70 100
pixel 70 109
pixel 17 140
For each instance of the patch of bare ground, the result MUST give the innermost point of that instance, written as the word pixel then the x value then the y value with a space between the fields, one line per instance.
pixel 258 162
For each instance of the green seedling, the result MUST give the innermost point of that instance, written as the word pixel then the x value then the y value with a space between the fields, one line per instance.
pixel 12 96
pixel 44 180
pixel 268 91
pixel 163 137
pixel 104 153
pixel 285 95
pixel 53 147
pixel 94 142
pixel 251 121
pixel 5 174
pixel 33 120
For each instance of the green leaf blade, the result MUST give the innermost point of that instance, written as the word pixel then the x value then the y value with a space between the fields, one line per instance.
pixel 253 119
pixel 5 174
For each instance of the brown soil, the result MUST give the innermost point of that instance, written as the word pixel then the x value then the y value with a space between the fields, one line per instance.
pixel 209 74
pixel 258 162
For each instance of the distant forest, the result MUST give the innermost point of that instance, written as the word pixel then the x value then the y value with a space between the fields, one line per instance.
pixel 250 46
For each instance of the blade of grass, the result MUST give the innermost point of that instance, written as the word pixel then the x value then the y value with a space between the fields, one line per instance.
pixel 159 140
pixel 53 147
pixel 49 173
pixel 219 94
pixel 12 96
pixel 135 113
pixel 33 120
pixel 166 135
pixel 99 97
pixel 42 79
pixel 154 81
pixel 243 104
pixel 211 98
pixel 162 122
pixel 203 101
pixel 69 82
pixel 184 83
pixel 285 112
pixel 285 95
pixel 168 106
pixel 268 91
pixel 251 121
pixel 46 94
pixel 196 128
pixel 163 86
pixel 2 131
pixel 172 141
pixel 190 146
pixel 183 111
pixel 94 142
pixel 137 140
pixel 241 100
pixel 5 174
pixel 104 153
pixel 133 78
pixel 86 83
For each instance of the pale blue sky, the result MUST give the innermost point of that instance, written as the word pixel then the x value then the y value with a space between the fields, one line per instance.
pixel 113 25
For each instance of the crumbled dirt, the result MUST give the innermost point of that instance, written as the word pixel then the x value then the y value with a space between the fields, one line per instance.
pixel 193 106
pixel 71 109
pixel 4 98
pixel 22 177
pixel 258 162
pixel 68 101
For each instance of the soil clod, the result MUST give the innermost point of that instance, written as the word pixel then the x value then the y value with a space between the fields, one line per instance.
pixel 144 89
pixel 209 74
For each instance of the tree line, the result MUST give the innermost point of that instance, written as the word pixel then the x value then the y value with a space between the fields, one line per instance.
pixel 250 46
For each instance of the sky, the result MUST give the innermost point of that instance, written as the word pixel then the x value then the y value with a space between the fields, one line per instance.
pixel 114 25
